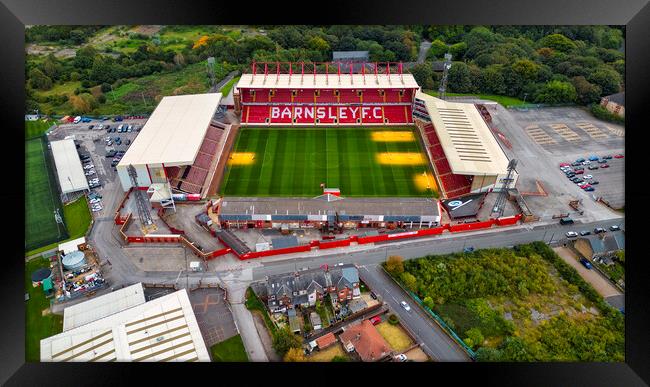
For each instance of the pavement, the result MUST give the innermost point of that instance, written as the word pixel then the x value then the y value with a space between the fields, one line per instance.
pixel 435 341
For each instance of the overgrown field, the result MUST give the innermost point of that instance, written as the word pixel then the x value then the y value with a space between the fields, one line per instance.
pixel 521 304
pixel 362 162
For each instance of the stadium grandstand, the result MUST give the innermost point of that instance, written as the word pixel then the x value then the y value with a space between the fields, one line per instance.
pixel 270 95
pixel 178 148
pixel 463 151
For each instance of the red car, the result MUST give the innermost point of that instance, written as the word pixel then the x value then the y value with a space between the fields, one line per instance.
pixel 618 156
pixel 604 166
pixel 579 171
pixel 583 186
pixel 565 165
pixel 375 320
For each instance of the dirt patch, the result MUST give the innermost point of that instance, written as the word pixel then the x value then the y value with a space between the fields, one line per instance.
pixel 417 354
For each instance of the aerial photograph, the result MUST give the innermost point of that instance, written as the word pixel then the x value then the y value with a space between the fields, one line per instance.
pixel 330 193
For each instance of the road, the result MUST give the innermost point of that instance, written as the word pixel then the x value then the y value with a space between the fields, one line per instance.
pixel 435 341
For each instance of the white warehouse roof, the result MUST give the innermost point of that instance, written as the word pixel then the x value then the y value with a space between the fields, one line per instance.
pixel 70 246
pixel 468 143
pixel 163 329
pixel 327 81
pixel 174 132
pixel 99 307
pixel 68 166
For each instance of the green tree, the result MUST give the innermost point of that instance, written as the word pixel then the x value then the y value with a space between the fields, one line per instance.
pixel 409 281
pixel 474 338
pixel 52 67
pixel 488 354
pixel 458 50
pixel 423 74
pixel 492 80
pixel 460 78
pixel 428 302
pixel 38 80
pixel 526 69
pixel 318 43
pixel 395 265
pixel 586 92
pixel 607 78
pixel 437 50
pixel 558 42
pixel 339 359
pixel 556 92
pixel 294 355
pixel 284 339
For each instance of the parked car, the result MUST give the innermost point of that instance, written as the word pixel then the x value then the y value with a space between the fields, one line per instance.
pixel 585 263
pixel 618 156
pixel 615 227
pixel 571 175
pixel 130 129
pixel 88 166
pixel 86 119
pixel 128 141
pixel 589 189
pixel 109 143
pixel 579 182
pixel 373 295
pixel 605 166
pixel 90 127
pixel 602 161
pixel 587 177
pixel 405 306
pixel 375 320
pixel 584 185
pixel 585 232
pixel 580 160
pixel 564 164
pixel 401 357
pixel 571 234
pixel 593 158
pixel 599 230
pixel 579 171
pixel 594 182
pixel 608 157
pixel 111 153
pixel 118 118
pixel 76 120
pixel 565 221
pixel 592 167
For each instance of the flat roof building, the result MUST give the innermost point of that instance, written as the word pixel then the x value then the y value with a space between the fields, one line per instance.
pixel 68 166
pixel 120 326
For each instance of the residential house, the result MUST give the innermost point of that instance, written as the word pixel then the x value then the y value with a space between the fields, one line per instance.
pixel 602 245
pixel 286 291
pixel 365 340
pixel 326 340
pixel 615 103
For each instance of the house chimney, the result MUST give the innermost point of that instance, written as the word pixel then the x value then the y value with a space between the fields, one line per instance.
pixel 358 336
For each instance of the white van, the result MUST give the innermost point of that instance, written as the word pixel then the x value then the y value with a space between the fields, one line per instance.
pixel 119 128
pixel 77 119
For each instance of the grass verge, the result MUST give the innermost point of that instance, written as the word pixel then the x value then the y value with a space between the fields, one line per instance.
pixel 229 350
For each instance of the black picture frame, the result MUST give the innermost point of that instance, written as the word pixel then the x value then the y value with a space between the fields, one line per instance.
pixel 15 14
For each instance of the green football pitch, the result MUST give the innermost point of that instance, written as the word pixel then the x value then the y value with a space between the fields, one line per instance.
pixel 361 162
pixel 40 199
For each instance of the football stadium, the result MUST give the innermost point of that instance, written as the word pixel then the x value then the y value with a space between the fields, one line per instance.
pixel 313 136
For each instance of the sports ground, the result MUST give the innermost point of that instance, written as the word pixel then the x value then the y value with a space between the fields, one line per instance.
pixel 360 161
pixel 41 198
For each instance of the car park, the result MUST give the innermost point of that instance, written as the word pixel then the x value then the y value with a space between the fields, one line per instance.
pixel 571 234
pixel 584 185
pixel 585 232
pixel 580 160
pixel 608 157
pixel 615 227
pixel 564 164
pixel 585 263
pixel 599 230
pixel 579 171
pixel 128 141
pixel 593 158
pixel 593 182
pixel 605 166
pixel 592 167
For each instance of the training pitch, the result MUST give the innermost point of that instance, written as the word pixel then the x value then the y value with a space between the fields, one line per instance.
pixel 362 162
pixel 41 198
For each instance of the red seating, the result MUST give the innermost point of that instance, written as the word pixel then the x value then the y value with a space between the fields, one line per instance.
pixel 349 96
pixel 442 165
pixel 428 128
pixel 208 146
pixel 373 115
pixel 281 96
pixel 329 116
pixel 392 96
pixel 432 138
pixel 398 114
pixel 246 95
pixel 189 187
pixel 372 96
pixel 304 96
pixel 214 134
pixel 437 152
pixel 279 115
pixel 327 96
pixel 257 114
